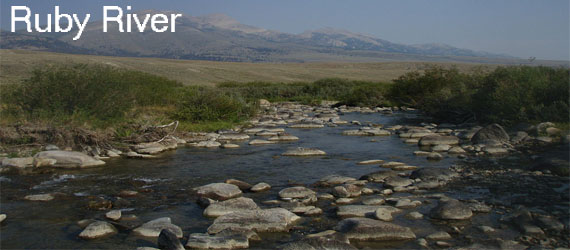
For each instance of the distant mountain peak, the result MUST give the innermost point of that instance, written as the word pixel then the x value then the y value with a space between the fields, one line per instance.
pixel 221 37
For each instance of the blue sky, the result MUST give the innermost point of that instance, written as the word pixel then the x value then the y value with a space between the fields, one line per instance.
pixel 520 28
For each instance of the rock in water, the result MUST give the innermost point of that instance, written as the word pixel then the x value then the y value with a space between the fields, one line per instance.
pixel 2 217
pixel 433 140
pixel 396 181
pixel 384 213
pixel 266 220
pixel 374 230
pixel 167 240
pixel 296 192
pixel 233 137
pixel 379 176
pixel 70 159
pixel 154 227
pixel 361 210
pixel 18 162
pixel 493 132
pixel 260 187
pixel 39 197
pixel 304 152
pixel 113 214
pixel 229 206
pixel 97 229
pixel 218 191
pixel 451 210
pixel 240 184
pixel 260 142
pixel 441 235
pixel 431 173
pixel 155 147
pixel 318 243
pixel 206 241
pixel 334 180
pixel 370 162
pixel 347 191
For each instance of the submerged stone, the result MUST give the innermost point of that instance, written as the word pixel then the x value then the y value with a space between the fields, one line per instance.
pixel 365 229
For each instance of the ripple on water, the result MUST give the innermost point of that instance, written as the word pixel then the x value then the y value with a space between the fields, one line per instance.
pixel 55 180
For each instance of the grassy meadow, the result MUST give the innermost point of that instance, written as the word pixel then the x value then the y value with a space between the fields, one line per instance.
pixel 16 65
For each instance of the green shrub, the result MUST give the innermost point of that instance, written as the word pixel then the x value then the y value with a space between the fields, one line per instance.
pixel 506 95
pixel 524 94
pixel 199 104
pixel 346 91
pixel 86 92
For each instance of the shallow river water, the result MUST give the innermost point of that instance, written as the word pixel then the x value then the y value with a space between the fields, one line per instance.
pixel 164 186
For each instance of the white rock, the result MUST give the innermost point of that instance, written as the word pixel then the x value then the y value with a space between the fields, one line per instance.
pixel 113 214
pixel 39 197
pixel 97 229
pixel 70 159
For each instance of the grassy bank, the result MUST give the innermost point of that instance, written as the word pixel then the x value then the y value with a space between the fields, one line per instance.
pixel 102 97
pixel 106 97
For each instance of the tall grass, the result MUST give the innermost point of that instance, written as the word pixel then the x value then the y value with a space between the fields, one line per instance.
pixel 103 96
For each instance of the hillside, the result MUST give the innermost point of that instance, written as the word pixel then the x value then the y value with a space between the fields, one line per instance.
pixel 218 37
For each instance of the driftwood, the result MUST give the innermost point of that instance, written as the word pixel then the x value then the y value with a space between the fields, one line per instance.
pixel 172 132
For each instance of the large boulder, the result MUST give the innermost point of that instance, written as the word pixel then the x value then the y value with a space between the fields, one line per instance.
pixel 218 191
pixel 154 227
pixel 433 140
pixel 451 209
pixel 266 220
pixel 490 133
pixel 369 229
pixel 70 159
pixel 229 206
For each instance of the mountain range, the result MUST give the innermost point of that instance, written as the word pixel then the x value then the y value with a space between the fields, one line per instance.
pixel 219 37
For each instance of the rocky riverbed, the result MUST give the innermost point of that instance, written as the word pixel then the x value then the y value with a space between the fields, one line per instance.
pixel 299 177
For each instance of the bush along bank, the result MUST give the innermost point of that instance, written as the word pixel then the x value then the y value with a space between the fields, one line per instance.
pixel 507 95
pixel 83 106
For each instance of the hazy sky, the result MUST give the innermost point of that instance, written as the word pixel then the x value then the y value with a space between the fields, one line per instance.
pixel 520 28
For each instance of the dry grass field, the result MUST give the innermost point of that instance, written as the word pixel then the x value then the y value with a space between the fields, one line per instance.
pixel 16 65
